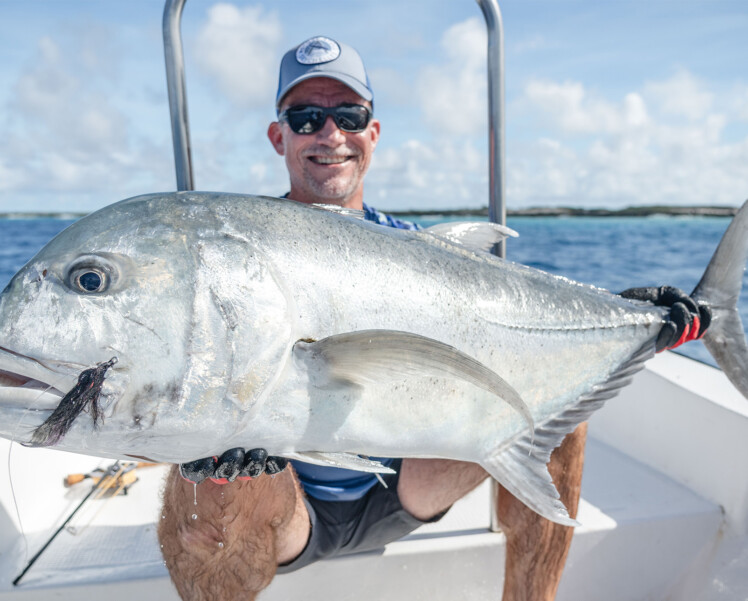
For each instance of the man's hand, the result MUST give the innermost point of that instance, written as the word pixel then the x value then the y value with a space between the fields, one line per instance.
pixel 688 319
pixel 233 464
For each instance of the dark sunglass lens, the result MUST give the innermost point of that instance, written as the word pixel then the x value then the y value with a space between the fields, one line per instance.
pixel 352 118
pixel 305 120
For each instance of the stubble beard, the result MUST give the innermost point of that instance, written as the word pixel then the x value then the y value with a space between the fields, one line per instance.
pixel 336 189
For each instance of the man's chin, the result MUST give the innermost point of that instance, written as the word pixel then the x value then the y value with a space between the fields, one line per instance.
pixel 333 191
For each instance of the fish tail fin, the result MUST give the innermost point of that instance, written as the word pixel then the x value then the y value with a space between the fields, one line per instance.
pixel 719 288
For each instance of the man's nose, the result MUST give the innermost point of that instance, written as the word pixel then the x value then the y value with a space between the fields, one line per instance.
pixel 330 132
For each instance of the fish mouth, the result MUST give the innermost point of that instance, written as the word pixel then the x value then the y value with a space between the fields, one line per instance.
pixel 33 401
pixel 29 383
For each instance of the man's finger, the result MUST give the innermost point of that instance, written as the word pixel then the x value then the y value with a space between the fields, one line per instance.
pixel 199 470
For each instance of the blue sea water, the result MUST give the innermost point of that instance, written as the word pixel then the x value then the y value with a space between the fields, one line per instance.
pixel 610 252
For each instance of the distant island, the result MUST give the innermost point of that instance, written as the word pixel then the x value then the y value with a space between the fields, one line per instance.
pixel 638 211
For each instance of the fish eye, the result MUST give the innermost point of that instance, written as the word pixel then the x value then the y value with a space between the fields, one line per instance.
pixel 91 275
pixel 91 281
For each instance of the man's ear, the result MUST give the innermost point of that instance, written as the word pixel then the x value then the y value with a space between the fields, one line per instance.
pixel 374 129
pixel 275 135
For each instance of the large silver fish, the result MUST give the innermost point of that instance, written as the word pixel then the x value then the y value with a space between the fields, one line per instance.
pixel 258 322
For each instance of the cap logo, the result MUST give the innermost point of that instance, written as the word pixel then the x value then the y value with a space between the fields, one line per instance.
pixel 317 50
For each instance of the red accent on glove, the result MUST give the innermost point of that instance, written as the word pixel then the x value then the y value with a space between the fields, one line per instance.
pixel 691 332
pixel 696 327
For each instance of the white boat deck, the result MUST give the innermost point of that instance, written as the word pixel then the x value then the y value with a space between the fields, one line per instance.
pixel 645 534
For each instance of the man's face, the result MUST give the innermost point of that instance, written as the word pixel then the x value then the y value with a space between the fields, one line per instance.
pixel 327 166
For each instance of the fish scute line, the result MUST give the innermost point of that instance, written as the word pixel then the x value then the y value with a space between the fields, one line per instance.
pixel 570 328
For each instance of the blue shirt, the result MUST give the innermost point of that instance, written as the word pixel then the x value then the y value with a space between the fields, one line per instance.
pixel 332 483
pixel 371 214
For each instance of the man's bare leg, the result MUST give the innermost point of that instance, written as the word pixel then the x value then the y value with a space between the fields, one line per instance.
pixel 242 532
pixel 427 487
pixel 536 549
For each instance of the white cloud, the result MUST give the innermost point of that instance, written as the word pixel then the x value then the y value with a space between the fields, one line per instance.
pixel 453 93
pixel 570 108
pixel 67 133
pixel 738 102
pixel 56 108
pixel 447 167
pixel 238 49
pixel 418 175
pixel 646 148
pixel 682 95
pixel 530 44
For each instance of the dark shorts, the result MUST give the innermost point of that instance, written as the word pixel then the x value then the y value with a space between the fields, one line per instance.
pixel 345 527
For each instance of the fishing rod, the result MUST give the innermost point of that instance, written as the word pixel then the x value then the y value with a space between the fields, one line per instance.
pixel 110 473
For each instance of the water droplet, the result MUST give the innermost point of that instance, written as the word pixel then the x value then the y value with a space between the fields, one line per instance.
pixel 194 516
pixel 163 517
pixel 194 489
pixel 220 545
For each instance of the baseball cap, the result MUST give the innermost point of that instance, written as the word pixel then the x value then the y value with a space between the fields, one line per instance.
pixel 321 56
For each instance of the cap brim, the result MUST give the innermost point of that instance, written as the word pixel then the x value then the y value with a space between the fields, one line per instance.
pixel 353 83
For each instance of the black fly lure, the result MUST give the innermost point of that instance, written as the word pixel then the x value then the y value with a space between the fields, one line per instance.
pixel 83 396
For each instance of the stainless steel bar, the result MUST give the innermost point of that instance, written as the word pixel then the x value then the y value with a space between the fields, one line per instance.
pixel 496 157
pixel 175 83
pixel 496 131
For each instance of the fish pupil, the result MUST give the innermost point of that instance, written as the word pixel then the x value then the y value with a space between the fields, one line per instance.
pixel 90 281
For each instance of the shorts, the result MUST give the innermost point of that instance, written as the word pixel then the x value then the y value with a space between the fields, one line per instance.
pixel 346 527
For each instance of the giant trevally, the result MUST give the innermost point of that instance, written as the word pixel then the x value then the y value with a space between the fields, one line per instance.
pixel 176 326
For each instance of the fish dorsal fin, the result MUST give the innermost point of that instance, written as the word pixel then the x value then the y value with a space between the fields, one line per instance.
pixel 367 356
pixel 355 213
pixel 347 461
pixel 473 235
pixel 522 467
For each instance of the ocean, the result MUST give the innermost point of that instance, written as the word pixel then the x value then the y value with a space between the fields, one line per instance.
pixel 610 252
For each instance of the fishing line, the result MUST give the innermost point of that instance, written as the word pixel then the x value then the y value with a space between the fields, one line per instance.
pixel 15 505
pixel 10 475
pixel 103 489
pixel 113 469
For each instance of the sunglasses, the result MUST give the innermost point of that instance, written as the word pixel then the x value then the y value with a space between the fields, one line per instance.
pixel 308 119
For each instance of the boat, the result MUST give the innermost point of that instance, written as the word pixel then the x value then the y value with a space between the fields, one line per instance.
pixel 664 508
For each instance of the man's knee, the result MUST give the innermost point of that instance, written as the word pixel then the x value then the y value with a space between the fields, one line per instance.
pixel 224 541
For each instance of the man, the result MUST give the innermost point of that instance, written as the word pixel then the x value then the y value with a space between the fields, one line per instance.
pixel 228 541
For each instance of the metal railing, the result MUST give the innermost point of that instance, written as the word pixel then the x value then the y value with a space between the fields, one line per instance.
pixel 175 83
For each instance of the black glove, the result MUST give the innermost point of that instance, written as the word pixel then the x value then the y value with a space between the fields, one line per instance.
pixel 688 319
pixel 231 465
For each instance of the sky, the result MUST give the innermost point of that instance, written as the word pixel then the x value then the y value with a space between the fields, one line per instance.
pixel 609 103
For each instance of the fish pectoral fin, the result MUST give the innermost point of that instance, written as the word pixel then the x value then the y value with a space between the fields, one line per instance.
pixel 368 356
pixel 348 461
pixel 473 235
pixel 527 478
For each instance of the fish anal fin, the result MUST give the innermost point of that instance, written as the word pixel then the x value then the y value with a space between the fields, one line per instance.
pixel 527 478
pixel 522 467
